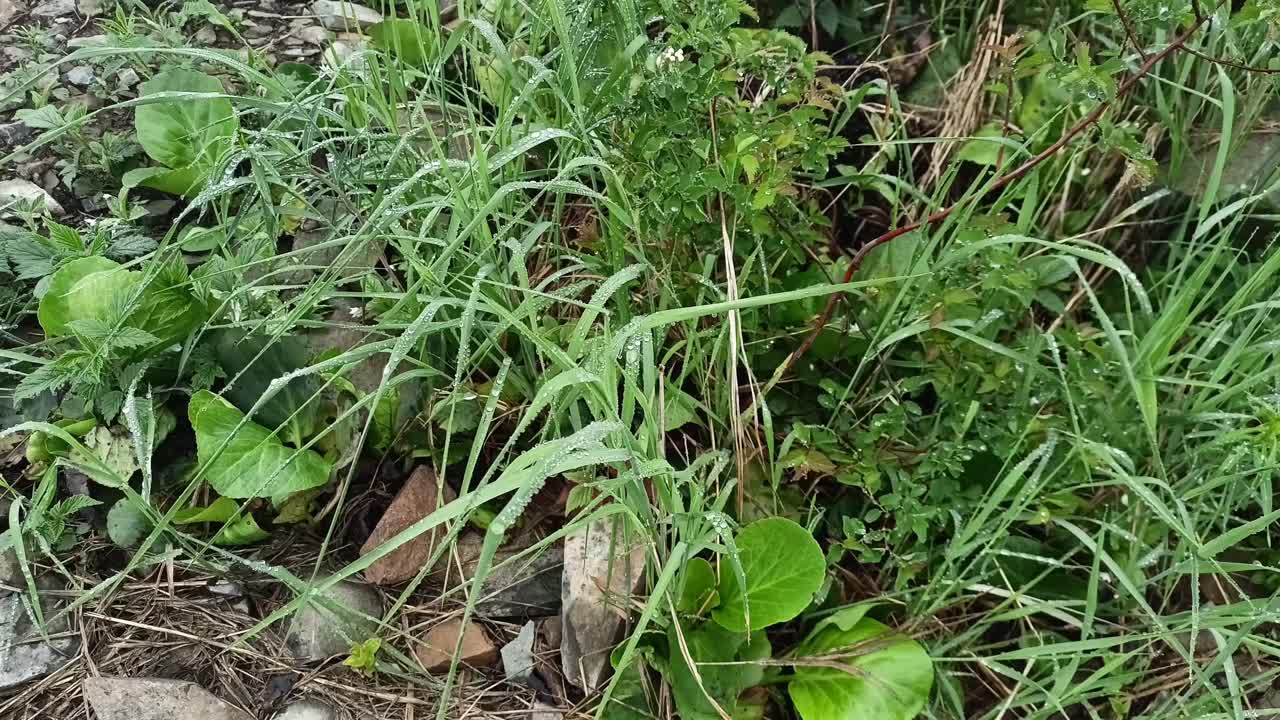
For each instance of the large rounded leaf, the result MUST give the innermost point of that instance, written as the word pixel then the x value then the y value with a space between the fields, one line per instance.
pixel 81 290
pixel 784 567
pixel 183 132
pixel 888 675
pixel 242 459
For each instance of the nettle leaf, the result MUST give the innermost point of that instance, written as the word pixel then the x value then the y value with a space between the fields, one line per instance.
pixel 783 566
pixel 184 132
pixel 888 675
pixel 244 459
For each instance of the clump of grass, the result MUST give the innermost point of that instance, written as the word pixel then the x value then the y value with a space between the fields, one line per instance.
pixel 584 245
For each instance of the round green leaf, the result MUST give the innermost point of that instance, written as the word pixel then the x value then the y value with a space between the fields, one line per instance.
pixel 784 567
pixel 182 132
pixel 126 523
pixel 889 675
pixel 698 587
pixel 81 290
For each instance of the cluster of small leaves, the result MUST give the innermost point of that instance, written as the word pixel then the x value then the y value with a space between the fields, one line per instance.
pixel 769 106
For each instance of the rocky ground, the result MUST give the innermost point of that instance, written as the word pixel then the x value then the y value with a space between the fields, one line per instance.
pixel 174 642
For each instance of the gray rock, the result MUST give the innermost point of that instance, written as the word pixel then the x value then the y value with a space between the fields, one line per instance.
pixel 314 35
pixel 515 589
pixel 80 76
pixel 15 133
pixel 54 9
pixel 115 698
pixel 16 191
pixel 206 35
pixel 345 53
pixel 308 710
pixel 10 570
pixel 323 628
pixel 518 662
pixel 8 9
pixel 76 43
pixel 89 8
pixel 127 78
pixel 526 588
pixel 602 569
pixel 257 31
pixel 343 15
pixel 25 652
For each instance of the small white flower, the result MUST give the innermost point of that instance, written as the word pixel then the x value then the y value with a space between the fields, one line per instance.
pixel 1086 172
pixel 669 56
pixel 356 312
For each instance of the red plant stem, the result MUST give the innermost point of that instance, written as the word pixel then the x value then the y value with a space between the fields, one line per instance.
pixel 1010 177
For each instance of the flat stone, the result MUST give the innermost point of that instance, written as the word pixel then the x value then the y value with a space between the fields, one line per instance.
pixel 80 76
pixel 602 570
pixel 15 133
pixel 127 78
pixel 257 31
pixel 524 588
pixel 8 9
pixel 343 54
pixel 342 15
pixel 313 35
pixel 517 656
pixel 10 570
pixel 17 191
pixel 308 710
pixel 25 654
pixel 321 630
pixel 435 650
pixel 419 497
pixel 206 35
pixel 54 8
pixel 117 698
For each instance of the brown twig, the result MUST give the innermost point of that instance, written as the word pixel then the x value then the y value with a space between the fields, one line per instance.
pixel 1228 63
pixel 1012 176
pixel 1128 29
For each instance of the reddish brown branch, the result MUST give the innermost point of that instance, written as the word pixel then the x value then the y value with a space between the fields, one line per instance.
pixel 1230 64
pixel 1010 177
pixel 1128 29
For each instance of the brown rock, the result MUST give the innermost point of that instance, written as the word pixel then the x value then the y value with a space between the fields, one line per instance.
pixel 417 499
pixel 435 650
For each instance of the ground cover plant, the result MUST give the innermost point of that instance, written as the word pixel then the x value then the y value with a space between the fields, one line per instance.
pixel 656 358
